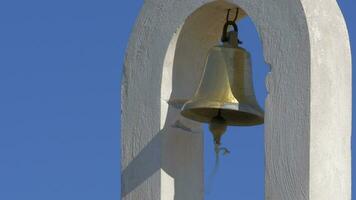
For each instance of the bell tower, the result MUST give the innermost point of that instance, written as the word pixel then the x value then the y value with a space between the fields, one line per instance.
pixel 308 155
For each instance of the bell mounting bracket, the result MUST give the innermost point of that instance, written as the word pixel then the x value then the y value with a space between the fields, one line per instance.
pixel 224 37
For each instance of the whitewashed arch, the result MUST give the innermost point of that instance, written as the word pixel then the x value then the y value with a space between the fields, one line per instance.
pixel 308 108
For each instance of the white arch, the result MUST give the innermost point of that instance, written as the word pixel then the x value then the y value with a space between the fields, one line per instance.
pixel 308 109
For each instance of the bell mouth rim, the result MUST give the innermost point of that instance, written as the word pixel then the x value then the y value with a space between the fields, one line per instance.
pixel 188 112
pixel 232 48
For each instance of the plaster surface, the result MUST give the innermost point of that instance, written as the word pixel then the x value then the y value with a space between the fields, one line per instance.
pixel 308 107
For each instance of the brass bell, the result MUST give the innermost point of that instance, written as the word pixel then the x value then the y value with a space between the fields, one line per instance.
pixel 225 95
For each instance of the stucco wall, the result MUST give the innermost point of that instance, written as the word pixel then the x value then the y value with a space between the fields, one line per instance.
pixel 308 107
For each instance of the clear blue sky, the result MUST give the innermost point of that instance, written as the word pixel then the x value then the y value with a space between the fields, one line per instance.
pixel 60 72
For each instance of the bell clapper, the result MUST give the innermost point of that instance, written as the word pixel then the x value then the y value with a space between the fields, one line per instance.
pixel 217 127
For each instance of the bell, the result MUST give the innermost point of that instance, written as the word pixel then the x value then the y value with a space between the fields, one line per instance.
pixel 225 94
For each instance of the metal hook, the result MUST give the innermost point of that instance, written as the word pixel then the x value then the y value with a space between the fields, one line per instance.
pixel 237 14
pixel 228 23
pixel 228 15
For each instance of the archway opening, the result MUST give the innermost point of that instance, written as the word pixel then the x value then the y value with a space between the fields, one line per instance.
pixel 241 173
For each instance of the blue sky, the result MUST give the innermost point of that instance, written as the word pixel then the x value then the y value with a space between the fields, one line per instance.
pixel 60 73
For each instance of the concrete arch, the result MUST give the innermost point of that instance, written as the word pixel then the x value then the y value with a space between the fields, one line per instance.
pixel 307 154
